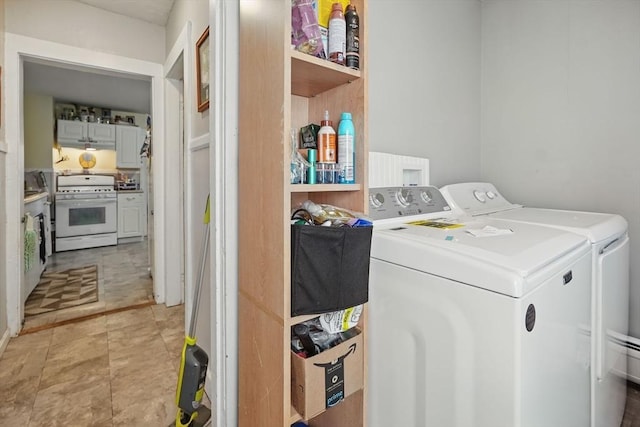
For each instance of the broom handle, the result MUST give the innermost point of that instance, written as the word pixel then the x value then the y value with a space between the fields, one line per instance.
pixel 196 294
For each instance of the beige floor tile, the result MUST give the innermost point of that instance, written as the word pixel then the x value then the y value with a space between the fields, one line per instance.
pixel 17 399
pixel 15 371
pixel 74 331
pixel 59 373
pixel 146 345
pixel 85 347
pixel 173 341
pixel 114 370
pixel 130 318
pixel 21 368
pixel 149 401
pixel 17 345
pixel 80 402
pixel 139 367
pixel 14 415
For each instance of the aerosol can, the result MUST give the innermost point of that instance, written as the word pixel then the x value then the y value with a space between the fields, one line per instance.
pixel 194 360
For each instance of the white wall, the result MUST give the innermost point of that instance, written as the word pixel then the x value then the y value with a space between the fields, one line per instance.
pixel 76 24
pixel 38 131
pixel 561 109
pixel 424 83
pixel 196 11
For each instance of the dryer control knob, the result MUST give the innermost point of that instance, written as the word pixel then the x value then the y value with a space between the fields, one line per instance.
pixel 426 196
pixel 376 200
pixel 491 195
pixel 480 196
pixel 404 197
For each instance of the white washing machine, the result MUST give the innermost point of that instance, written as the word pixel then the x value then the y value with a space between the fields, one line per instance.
pixel 610 284
pixel 474 323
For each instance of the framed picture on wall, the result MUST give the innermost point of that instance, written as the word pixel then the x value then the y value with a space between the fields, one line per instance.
pixel 202 69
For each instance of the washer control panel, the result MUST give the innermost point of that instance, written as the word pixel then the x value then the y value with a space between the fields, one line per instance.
pixel 399 202
pixel 476 198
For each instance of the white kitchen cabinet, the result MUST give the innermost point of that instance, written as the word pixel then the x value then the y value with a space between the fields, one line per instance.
pixel 129 140
pixel 70 130
pixel 102 133
pixel 132 215
pixel 74 133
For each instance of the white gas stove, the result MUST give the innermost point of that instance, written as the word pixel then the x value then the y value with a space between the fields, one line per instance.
pixel 86 212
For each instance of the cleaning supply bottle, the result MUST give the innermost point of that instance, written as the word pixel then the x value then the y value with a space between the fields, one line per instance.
pixel 352 48
pixel 337 34
pixel 326 141
pixel 311 172
pixel 347 150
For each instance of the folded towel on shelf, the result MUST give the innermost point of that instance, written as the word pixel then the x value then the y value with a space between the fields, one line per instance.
pixel 30 243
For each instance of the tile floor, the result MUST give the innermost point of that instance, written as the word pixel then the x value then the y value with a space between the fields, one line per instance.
pixel 112 370
pixel 93 365
pixel 123 280
pixel 632 410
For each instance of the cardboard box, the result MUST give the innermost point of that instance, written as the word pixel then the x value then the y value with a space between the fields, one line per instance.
pixel 326 379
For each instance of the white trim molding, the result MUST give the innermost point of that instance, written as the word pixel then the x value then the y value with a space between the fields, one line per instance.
pixel 199 143
pixel 223 125
pixel 179 56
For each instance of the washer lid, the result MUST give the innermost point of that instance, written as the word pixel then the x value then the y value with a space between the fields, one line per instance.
pixel 512 263
pixel 595 226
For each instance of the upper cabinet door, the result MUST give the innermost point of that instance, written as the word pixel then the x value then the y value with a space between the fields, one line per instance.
pixel 102 132
pixel 69 130
pixel 128 144
pixel 74 133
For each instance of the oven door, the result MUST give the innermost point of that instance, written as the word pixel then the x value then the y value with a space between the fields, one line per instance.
pixel 81 217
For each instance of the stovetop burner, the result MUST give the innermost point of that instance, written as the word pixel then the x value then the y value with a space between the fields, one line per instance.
pixel 86 190
pixel 85 184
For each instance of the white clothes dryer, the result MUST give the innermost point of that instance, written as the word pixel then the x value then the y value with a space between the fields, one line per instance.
pixel 474 323
pixel 609 240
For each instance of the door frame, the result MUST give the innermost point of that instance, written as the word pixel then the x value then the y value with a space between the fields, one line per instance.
pixel 17 49
pixel 224 18
pixel 179 56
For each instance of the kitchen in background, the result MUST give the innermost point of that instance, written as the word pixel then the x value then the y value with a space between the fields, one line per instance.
pixel 86 179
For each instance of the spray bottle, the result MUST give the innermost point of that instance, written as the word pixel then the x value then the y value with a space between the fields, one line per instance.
pixel 347 150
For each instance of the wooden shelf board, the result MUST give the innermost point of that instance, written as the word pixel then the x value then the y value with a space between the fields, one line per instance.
pixel 311 76
pixel 321 188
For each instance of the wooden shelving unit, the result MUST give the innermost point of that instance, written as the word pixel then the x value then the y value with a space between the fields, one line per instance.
pixel 281 89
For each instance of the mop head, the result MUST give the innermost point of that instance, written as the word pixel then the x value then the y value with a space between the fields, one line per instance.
pixel 202 419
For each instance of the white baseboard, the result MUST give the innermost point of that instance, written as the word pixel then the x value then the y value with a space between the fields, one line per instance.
pixel 4 341
pixel 633 359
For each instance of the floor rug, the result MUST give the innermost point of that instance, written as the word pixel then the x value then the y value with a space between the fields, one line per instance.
pixel 63 289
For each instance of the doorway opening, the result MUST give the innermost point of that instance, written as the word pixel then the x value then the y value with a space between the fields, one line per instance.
pixel 58 97
pixel 21 50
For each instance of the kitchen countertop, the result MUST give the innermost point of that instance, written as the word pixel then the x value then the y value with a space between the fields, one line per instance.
pixel 35 197
pixel 129 191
